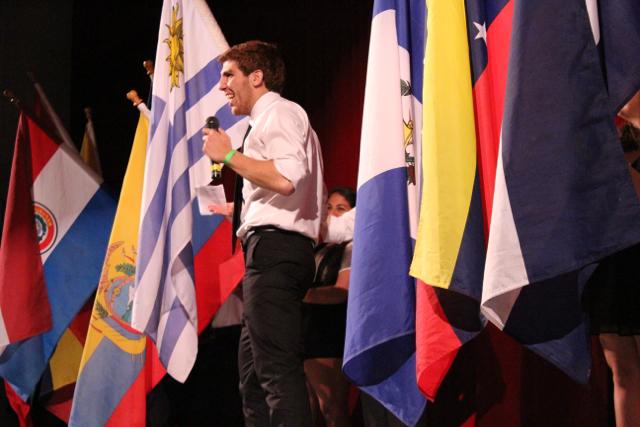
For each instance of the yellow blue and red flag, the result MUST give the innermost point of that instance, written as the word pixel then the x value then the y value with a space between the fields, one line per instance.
pixel 112 373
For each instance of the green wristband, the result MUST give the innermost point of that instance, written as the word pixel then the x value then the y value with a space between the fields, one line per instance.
pixel 228 157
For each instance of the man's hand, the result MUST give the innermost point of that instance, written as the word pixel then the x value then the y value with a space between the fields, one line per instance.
pixel 226 210
pixel 216 144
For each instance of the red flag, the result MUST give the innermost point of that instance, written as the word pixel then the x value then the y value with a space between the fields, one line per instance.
pixel 24 304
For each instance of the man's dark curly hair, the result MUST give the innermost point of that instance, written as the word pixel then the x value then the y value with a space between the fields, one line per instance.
pixel 258 55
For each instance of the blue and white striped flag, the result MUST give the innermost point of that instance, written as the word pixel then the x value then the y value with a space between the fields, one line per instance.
pixel 185 93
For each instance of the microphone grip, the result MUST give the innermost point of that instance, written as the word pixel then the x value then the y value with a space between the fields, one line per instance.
pixel 216 168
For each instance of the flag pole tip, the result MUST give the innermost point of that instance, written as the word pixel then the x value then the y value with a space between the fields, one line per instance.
pixel 148 65
pixel 12 98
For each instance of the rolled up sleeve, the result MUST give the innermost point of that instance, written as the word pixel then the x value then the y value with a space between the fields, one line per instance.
pixel 286 143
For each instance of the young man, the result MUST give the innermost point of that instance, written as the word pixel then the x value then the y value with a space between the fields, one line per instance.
pixel 283 196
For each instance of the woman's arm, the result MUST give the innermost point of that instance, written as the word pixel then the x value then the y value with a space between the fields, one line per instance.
pixel 334 294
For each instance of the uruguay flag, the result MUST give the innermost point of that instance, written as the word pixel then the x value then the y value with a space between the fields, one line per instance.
pixel 380 338
pixel 184 95
pixel 72 216
pixel 563 196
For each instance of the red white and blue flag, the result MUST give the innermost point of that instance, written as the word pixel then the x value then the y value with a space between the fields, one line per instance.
pixel 563 197
pixel 61 233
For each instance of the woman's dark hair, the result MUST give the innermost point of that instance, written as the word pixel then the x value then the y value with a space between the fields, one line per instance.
pixel 347 192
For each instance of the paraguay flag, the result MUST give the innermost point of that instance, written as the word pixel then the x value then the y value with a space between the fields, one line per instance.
pixel 184 95
pixel 380 338
pixel 72 216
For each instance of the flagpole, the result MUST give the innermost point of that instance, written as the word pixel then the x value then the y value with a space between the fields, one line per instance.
pixel 57 123
pixel 87 114
pixel 150 67
pixel 12 98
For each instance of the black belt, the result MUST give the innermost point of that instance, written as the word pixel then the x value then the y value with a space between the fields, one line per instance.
pixel 273 229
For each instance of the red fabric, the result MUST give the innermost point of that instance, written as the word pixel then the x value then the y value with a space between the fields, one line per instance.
pixel 436 342
pixel 46 146
pixel 80 324
pixel 25 308
pixel 59 402
pixel 488 96
pixel 217 273
pixel 20 407
pixel 132 409
pixel 516 387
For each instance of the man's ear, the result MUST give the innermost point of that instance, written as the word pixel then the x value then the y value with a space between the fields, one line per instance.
pixel 256 78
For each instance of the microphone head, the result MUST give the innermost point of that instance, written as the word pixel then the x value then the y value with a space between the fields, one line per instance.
pixel 212 122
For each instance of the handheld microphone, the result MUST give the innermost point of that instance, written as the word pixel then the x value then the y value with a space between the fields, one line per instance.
pixel 216 168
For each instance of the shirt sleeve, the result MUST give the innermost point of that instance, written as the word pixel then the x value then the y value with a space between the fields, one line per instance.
pixel 285 140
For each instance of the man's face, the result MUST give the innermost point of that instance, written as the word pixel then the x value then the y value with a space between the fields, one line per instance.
pixel 237 88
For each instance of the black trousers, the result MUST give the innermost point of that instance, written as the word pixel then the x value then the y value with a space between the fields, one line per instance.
pixel 279 269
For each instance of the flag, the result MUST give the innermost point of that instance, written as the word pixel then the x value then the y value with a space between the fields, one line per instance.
pixel 58 382
pixel 465 66
pixel 563 197
pixel 89 148
pixel 72 216
pixel 619 38
pixel 112 365
pixel 184 95
pixel 48 118
pixel 379 352
pixel 24 310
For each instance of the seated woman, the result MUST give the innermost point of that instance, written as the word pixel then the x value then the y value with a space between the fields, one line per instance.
pixel 325 311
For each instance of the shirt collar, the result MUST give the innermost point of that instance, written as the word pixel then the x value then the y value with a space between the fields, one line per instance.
pixel 262 104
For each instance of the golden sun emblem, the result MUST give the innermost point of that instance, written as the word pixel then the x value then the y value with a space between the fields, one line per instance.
pixel 176 48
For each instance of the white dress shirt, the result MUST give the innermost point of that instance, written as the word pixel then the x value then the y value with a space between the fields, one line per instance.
pixel 280 131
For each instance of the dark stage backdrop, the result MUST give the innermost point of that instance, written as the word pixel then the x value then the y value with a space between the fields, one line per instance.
pixel 89 53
